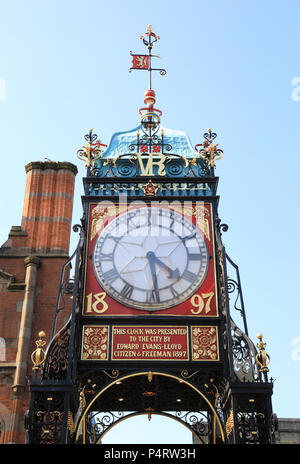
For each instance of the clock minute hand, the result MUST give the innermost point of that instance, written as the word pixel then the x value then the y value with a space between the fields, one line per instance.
pixel 173 274
pixel 153 273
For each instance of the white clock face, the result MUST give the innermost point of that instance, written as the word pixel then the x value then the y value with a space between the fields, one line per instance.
pixel 150 258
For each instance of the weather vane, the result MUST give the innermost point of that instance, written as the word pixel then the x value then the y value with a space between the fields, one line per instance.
pixel 144 61
pixel 150 115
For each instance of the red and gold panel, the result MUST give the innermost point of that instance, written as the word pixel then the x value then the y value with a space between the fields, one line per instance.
pixel 156 258
pixel 155 343
pixel 95 343
pixel 204 343
pixel 149 343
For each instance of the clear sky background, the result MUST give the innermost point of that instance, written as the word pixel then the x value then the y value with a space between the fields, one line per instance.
pixel 231 65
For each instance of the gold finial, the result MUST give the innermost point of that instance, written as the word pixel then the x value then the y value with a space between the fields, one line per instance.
pixel 149 411
pixel 38 356
pixel 150 376
pixel 149 29
pixel 262 358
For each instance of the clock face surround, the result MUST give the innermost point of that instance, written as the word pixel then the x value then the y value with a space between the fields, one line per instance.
pixel 150 258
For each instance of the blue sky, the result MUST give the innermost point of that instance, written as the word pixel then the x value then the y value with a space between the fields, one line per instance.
pixel 232 66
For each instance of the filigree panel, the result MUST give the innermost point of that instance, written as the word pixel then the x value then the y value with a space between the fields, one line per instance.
pixel 56 363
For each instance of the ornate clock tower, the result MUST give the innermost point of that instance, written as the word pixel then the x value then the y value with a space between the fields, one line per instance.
pixel 153 329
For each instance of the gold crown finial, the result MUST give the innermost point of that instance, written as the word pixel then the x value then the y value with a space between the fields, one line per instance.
pixel 38 356
pixel 262 358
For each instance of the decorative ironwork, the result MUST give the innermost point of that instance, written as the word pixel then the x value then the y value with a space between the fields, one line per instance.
pixel 113 374
pixel 209 151
pixel 92 151
pixel 187 375
pixel 66 284
pixel 234 285
pixel 153 144
pixel 136 188
pixel 244 356
pixel 56 363
pixel 45 425
pixel 197 420
pixel 253 428
pixel 98 423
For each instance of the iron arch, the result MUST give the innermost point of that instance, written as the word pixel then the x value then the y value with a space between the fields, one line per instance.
pixel 87 407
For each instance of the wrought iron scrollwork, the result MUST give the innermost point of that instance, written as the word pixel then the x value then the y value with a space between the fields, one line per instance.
pixel 56 363
pixel 234 287
pixel 244 353
pixel 98 422
pixel 45 424
pixel 252 428
pixel 66 284
pixel 198 421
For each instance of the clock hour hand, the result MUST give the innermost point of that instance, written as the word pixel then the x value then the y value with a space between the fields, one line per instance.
pixel 173 274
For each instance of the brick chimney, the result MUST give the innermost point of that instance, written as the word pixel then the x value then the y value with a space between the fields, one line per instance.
pixel 48 206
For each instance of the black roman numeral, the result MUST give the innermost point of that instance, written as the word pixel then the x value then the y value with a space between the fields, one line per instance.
pixel 110 276
pixel 189 237
pixel 189 276
pixel 174 292
pixel 152 296
pixel 113 237
pixel 126 291
pixel 194 256
pixel 106 257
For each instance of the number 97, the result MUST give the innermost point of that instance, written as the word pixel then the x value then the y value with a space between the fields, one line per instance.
pixel 200 302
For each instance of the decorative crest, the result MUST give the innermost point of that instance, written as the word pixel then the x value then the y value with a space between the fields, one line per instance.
pixel 92 151
pixel 209 151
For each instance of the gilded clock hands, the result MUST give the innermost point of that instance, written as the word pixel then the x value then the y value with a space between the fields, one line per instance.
pixel 173 274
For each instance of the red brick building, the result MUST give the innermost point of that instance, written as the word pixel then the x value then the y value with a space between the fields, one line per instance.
pixel 30 266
